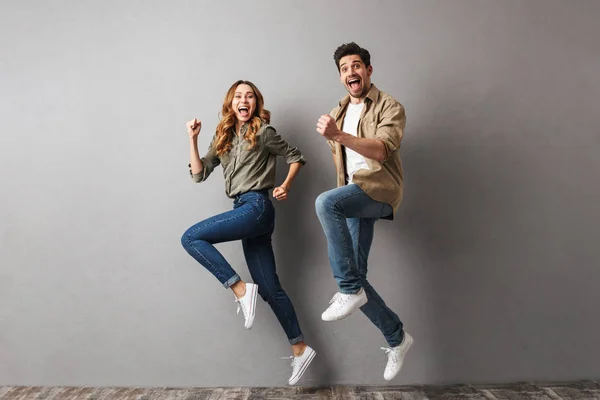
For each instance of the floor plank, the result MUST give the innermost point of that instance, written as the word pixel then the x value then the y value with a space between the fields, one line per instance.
pixel 582 390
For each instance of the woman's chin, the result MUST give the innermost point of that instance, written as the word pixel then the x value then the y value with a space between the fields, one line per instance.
pixel 242 118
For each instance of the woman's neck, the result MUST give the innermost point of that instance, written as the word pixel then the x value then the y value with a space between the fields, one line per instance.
pixel 238 127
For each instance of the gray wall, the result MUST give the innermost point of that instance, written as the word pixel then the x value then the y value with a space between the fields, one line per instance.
pixel 493 260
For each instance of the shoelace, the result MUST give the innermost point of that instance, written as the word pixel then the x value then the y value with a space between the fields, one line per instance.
pixel 334 298
pixel 390 353
pixel 240 306
pixel 339 297
pixel 292 358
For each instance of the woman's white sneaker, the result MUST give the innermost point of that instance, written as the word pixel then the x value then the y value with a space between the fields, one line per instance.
pixel 247 304
pixel 300 364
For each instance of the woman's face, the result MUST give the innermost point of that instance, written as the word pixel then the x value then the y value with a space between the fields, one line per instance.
pixel 244 102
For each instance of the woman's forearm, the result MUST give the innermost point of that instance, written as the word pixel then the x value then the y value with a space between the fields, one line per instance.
pixel 292 172
pixel 195 162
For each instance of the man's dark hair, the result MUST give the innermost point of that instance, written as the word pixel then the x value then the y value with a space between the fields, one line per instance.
pixel 351 49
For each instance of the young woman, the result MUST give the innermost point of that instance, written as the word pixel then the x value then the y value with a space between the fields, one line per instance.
pixel 247 147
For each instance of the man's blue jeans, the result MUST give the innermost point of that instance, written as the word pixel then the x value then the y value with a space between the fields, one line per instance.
pixel 348 217
pixel 252 220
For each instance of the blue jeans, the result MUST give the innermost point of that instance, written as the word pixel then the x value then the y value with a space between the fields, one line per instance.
pixel 348 217
pixel 252 220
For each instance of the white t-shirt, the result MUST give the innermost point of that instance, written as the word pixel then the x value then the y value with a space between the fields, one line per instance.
pixel 354 161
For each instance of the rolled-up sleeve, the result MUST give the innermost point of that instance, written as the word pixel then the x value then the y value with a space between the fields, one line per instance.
pixel 331 144
pixel 390 129
pixel 209 162
pixel 275 144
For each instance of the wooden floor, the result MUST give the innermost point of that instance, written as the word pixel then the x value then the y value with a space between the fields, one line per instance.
pixel 587 390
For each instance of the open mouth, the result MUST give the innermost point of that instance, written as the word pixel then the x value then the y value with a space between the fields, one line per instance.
pixel 354 83
pixel 244 111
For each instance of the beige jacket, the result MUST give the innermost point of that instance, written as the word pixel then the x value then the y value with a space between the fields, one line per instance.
pixel 382 118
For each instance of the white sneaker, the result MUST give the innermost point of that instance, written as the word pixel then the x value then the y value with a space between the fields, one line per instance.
pixel 396 357
pixel 342 305
pixel 247 304
pixel 300 364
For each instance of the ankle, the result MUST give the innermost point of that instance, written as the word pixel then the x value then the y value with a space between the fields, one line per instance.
pixel 239 289
pixel 298 349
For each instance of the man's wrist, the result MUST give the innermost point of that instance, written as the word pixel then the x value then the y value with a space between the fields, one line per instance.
pixel 339 136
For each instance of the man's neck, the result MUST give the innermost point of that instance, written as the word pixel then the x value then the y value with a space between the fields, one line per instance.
pixel 358 100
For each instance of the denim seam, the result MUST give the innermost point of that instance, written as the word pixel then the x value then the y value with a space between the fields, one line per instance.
pixel 333 206
pixel 223 220
pixel 260 267
pixel 258 200
pixel 189 238
pixel 216 270
pixel 357 247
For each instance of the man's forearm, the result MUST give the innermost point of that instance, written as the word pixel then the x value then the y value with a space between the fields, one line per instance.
pixel 370 148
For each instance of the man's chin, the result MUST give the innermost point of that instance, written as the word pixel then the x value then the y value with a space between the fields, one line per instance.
pixel 357 94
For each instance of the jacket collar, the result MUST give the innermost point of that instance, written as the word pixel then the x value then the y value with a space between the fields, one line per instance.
pixel 372 96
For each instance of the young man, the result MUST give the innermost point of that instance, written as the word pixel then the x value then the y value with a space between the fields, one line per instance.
pixel 364 132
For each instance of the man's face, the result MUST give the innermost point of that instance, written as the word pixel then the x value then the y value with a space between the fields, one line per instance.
pixel 355 76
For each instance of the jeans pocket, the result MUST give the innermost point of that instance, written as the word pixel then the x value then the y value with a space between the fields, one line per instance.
pixel 261 204
pixel 266 212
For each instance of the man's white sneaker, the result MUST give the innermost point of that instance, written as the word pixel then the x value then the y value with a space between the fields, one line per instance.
pixel 300 364
pixel 341 305
pixel 247 304
pixel 396 357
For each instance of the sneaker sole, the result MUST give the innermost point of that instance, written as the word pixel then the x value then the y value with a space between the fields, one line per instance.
pixel 254 295
pixel 303 369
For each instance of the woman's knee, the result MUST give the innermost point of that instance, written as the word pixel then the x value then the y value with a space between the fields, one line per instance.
pixel 192 239
pixel 192 234
pixel 185 240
